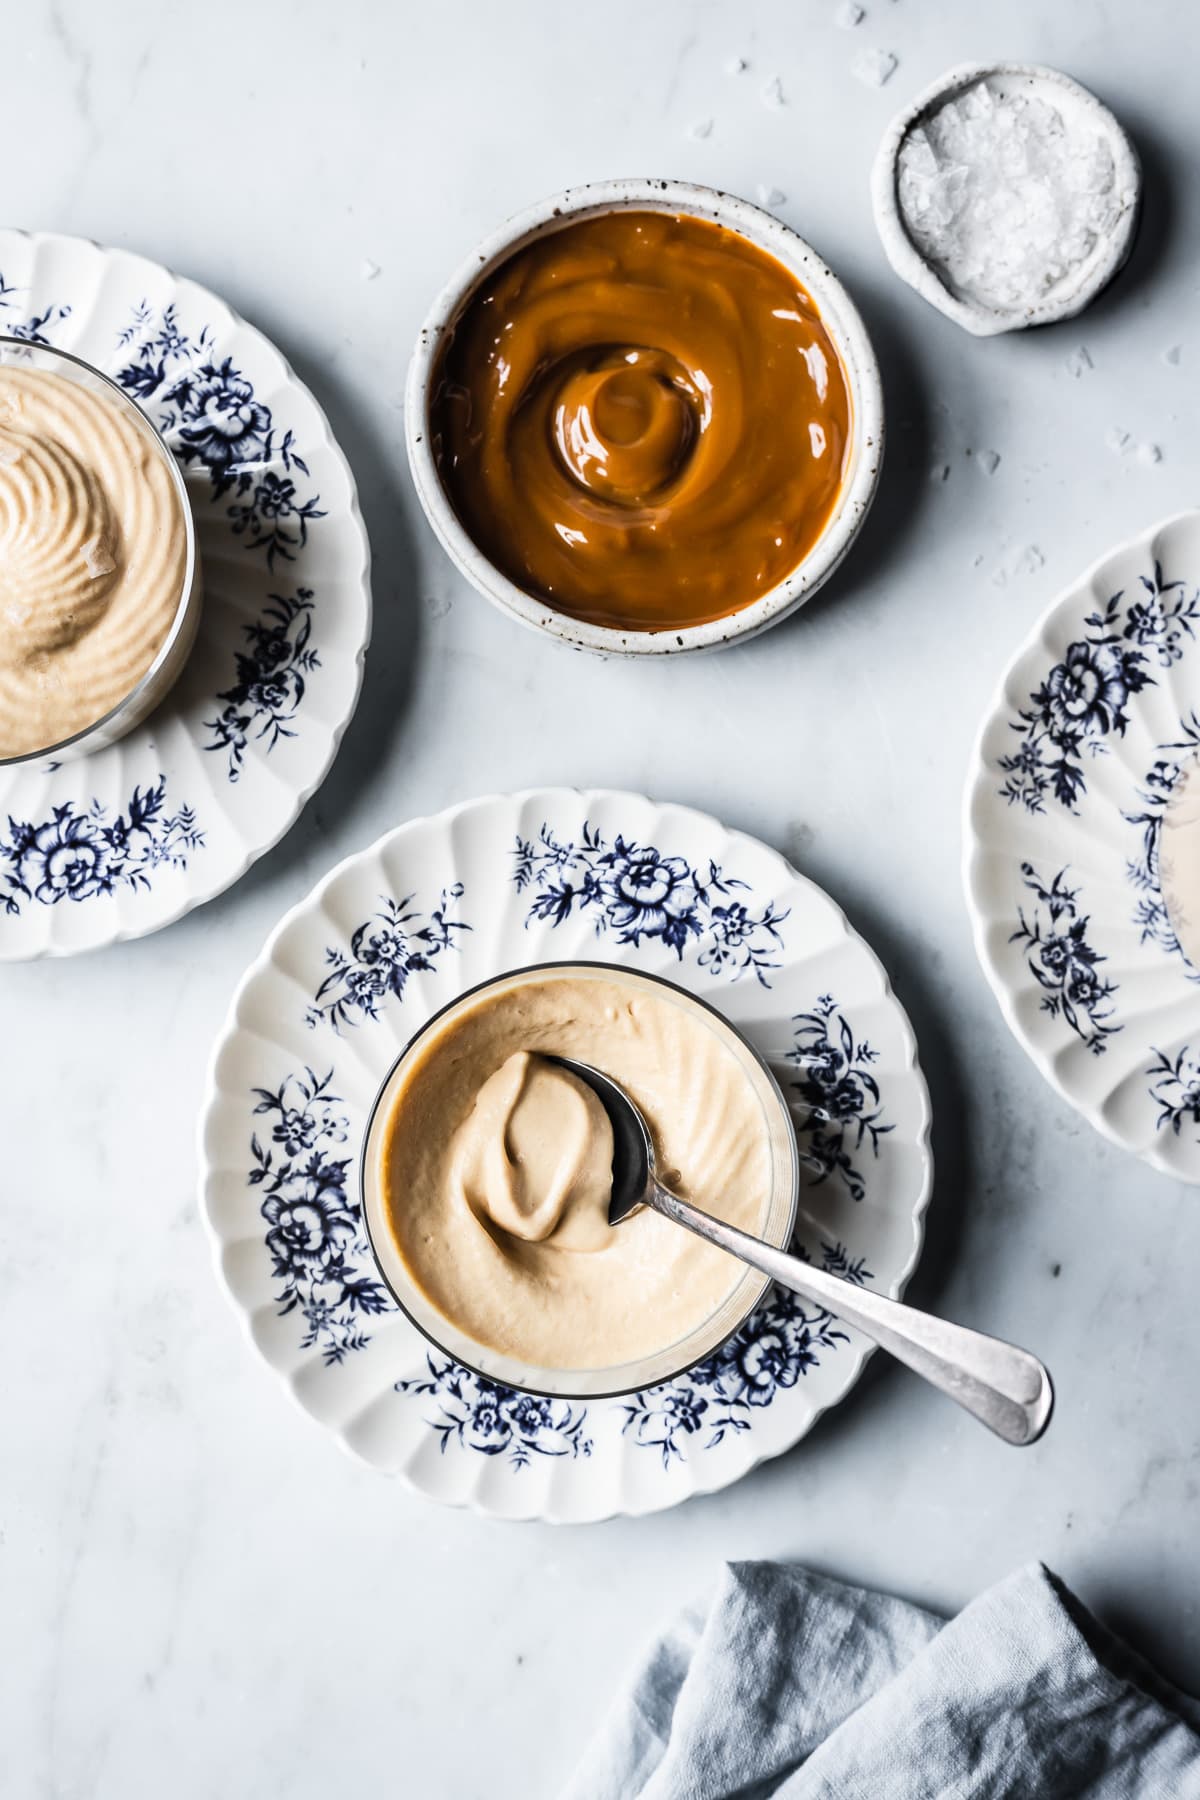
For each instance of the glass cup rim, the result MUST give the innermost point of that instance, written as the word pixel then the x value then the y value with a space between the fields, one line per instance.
pixel 759 1289
pixel 29 346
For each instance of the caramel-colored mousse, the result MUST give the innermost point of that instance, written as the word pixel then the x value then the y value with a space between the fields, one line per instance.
pixel 496 1172
pixel 640 419
pixel 93 556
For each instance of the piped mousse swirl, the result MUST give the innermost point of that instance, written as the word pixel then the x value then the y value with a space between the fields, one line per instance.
pixel 641 419
pixel 93 556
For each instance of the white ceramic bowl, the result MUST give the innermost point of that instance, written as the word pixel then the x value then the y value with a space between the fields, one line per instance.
pixel 1077 105
pixel 157 681
pixel 674 1358
pixel 838 315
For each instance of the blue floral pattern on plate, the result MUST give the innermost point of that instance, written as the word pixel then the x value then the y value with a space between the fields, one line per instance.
pixel 640 894
pixel 75 854
pixel 838 1085
pixel 1151 914
pixel 294 1243
pixel 1066 808
pixel 317 1245
pixel 209 414
pixel 1175 1089
pixel 1084 698
pixel 773 1350
pixel 492 1420
pixel 1063 962
pixel 394 943
pixel 314 1237
pixel 266 696
pixel 256 496
pixel 31 327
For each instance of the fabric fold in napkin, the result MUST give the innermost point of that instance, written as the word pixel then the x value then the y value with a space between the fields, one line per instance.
pixel 796 1686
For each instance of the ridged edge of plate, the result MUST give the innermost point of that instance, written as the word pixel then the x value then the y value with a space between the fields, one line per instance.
pixel 205 893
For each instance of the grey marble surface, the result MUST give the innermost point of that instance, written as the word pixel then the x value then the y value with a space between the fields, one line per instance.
pixel 198 1594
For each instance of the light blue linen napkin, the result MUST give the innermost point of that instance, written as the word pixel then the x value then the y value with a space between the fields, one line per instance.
pixel 798 1687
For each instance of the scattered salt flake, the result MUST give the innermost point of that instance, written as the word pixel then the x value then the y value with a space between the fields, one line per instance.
pixel 701 129
pixel 874 67
pixel 940 472
pixel 369 269
pixel 773 94
pixel 771 196
pixel 1027 561
pixel 96 558
pixel 988 461
pixel 1079 362
pixel 848 15
pixel 977 559
pixel 1174 354
pixel 1148 455
pixel 1118 440
pixel 438 605
pixel 738 66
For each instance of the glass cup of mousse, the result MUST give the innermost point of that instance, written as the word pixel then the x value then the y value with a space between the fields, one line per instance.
pixel 100 584
pixel 675 1350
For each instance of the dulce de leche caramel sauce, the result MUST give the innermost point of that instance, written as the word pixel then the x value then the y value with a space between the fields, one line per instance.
pixel 496 1172
pixel 641 419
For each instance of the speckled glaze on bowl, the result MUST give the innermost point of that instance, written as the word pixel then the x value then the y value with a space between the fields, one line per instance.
pixel 913 267
pixel 840 318
pixel 670 1361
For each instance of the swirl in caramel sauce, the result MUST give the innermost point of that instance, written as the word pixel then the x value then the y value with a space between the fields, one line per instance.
pixel 641 419
pixel 93 556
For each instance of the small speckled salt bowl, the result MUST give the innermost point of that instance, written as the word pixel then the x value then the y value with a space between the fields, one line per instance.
pixel 839 317
pixel 1078 107
pixel 156 682
pixel 673 1359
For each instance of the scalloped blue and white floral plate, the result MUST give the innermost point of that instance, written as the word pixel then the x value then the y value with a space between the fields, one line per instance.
pixel 121 842
pixel 1094 726
pixel 392 935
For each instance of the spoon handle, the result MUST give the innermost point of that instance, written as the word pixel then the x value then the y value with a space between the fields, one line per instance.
pixel 1008 1389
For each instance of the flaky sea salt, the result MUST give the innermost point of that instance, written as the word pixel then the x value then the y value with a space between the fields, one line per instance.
pixel 1027 561
pixel 771 196
pixel 1118 440
pixel 848 15
pixel 1148 455
pixel 1079 362
pixel 738 66
pixel 773 94
pixel 874 67
pixel 1174 354
pixel 701 129
pixel 369 269
pixel 988 461
pixel 1003 197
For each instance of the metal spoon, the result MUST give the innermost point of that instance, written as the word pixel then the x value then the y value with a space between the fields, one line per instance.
pixel 1008 1389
